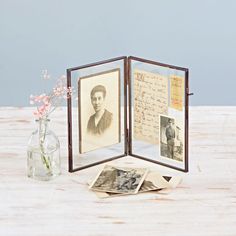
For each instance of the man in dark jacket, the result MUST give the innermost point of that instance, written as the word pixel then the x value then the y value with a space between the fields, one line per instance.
pixel 170 136
pixel 100 121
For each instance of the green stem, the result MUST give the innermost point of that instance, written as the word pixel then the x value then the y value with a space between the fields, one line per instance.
pixel 44 157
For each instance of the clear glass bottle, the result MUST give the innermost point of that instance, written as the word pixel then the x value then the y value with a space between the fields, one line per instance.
pixel 43 153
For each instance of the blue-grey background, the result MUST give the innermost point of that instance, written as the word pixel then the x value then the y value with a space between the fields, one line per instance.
pixel 57 34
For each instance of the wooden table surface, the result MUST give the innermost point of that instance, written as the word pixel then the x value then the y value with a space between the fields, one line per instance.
pixel 203 204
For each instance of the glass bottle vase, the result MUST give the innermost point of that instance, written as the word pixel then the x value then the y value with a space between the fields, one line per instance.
pixel 43 153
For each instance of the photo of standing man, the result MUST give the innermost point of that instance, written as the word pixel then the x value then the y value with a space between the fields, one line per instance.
pixel 170 137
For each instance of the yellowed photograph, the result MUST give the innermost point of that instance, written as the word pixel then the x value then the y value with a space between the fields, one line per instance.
pixel 152 182
pixel 99 110
pixel 119 180
pixel 171 139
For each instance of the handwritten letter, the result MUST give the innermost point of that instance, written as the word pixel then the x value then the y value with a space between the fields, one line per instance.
pixel 150 100
pixel 176 92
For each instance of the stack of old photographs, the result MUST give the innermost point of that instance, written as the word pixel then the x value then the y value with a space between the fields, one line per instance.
pixel 115 181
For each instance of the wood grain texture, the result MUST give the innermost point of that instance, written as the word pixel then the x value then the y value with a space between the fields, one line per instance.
pixel 204 203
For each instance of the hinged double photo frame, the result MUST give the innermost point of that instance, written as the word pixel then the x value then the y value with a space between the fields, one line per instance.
pixel 128 106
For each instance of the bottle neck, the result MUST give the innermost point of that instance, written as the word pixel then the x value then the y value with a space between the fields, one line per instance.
pixel 43 125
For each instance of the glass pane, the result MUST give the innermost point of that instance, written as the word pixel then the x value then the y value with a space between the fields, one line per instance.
pixel 97 112
pixel 157 105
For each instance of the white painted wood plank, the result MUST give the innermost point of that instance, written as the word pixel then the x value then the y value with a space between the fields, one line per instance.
pixel 204 203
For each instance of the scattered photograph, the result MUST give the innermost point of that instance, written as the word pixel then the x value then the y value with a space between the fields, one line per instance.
pixel 99 110
pixel 119 180
pixel 171 139
pixel 173 181
pixel 154 181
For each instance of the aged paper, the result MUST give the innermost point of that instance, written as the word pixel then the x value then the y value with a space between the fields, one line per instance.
pixel 176 92
pixel 119 180
pixel 171 138
pixel 153 182
pixel 173 181
pixel 150 100
pixel 99 110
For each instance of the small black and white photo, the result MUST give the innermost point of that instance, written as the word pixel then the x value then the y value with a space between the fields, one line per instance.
pixel 99 110
pixel 119 180
pixel 171 139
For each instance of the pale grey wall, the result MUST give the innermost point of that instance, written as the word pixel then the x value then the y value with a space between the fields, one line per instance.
pixel 57 34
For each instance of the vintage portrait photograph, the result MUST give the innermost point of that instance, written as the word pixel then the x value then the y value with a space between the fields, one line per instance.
pixel 171 139
pixel 119 180
pixel 152 182
pixel 99 110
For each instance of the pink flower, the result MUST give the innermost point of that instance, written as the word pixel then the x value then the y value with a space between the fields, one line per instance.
pixel 46 104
